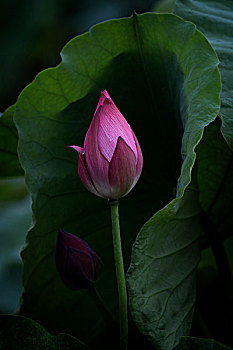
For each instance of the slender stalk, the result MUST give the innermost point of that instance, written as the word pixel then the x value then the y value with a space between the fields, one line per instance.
pixel 120 274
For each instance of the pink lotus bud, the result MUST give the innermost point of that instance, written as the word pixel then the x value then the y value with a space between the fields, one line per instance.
pixel 77 264
pixel 110 163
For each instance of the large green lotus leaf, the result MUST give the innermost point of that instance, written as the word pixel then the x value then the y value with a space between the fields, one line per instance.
pixel 215 160
pixel 162 274
pixel 162 74
pixel 17 332
pixel 9 162
pixel 191 343
pixel 215 19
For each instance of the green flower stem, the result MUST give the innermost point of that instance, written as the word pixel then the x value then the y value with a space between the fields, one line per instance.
pixel 120 274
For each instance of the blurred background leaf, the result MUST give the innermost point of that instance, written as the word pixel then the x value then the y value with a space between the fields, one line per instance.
pixel 15 219
pixel 164 6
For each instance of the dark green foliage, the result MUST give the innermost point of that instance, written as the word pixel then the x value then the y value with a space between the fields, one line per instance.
pixel 17 332
pixel 191 343
pixel 167 95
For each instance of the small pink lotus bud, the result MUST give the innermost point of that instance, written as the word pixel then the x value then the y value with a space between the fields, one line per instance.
pixel 110 163
pixel 77 264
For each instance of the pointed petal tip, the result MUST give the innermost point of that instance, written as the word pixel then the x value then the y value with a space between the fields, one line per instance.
pixel 62 234
pixel 106 94
pixel 76 148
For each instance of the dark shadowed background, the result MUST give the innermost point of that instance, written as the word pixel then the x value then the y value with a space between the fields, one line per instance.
pixel 33 32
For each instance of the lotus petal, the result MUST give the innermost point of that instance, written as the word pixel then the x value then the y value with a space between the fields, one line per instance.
pixel 122 170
